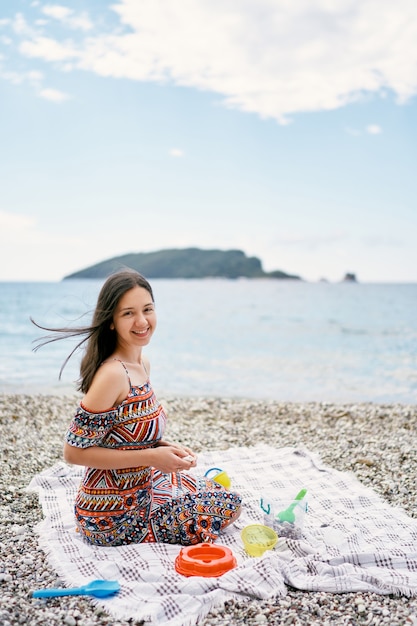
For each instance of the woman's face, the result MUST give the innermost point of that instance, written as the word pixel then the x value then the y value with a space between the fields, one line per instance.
pixel 134 319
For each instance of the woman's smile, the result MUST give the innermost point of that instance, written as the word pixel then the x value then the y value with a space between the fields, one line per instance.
pixel 141 333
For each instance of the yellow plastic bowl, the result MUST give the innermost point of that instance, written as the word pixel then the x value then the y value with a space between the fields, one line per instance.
pixel 257 538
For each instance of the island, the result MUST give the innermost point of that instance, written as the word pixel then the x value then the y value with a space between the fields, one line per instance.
pixel 184 263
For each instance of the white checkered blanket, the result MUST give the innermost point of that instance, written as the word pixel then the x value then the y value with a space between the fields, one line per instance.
pixel 352 541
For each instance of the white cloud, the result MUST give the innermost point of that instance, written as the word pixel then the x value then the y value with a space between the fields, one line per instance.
pixel 12 225
pixel 13 77
pixel 374 129
pixel 23 240
pixel 48 49
pixel 53 94
pixel 67 16
pixel 57 11
pixel 35 76
pixel 21 27
pixel 371 129
pixel 176 152
pixel 271 57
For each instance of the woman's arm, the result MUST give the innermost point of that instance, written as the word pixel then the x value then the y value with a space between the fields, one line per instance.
pixel 109 387
pixel 166 458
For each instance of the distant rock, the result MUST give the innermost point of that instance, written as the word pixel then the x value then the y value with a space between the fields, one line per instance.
pixel 184 263
pixel 349 278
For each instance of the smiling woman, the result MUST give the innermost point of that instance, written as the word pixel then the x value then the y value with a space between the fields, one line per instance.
pixel 135 314
pixel 134 489
pixel 133 323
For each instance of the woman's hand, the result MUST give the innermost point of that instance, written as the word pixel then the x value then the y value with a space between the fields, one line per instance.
pixel 169 457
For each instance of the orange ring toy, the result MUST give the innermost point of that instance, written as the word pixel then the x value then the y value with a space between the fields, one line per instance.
pixel 205 559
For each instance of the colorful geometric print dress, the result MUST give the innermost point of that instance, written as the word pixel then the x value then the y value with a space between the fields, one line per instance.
pixel 142 504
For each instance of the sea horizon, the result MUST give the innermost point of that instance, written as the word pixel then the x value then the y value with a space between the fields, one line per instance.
pixel 220 278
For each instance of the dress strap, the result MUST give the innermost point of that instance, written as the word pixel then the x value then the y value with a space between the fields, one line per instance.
pixel 126 370
pixel 144 367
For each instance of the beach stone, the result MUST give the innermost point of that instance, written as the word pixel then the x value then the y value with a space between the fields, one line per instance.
pixel 383 435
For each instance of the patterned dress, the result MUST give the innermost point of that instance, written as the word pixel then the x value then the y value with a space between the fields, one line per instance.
pixel 142 504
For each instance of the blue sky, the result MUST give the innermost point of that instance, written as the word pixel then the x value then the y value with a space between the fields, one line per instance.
pixel 285 129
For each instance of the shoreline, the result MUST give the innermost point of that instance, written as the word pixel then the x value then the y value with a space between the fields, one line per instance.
pixel 163 390
pixel 377 442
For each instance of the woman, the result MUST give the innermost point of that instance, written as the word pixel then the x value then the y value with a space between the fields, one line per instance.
pixel 135 487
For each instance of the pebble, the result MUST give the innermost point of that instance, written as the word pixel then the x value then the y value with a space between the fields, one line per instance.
pixel 5 578
pixel 378 443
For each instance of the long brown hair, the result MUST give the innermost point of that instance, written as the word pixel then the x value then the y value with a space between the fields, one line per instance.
pixel 99 339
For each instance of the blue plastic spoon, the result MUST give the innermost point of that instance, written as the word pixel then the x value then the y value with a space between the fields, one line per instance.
pixel 96 588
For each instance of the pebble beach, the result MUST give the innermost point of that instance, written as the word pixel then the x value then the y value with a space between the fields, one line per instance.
pixel 378 443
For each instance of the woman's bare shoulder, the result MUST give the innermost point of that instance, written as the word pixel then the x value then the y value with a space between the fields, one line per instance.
pixel 109 387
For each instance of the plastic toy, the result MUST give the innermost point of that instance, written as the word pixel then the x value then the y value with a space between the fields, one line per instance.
pixel 257 538
pixel 205 559
pixel 96 588
pixel 287 515
pixel 222 478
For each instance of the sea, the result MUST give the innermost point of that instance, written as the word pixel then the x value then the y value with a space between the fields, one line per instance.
pixel 284 340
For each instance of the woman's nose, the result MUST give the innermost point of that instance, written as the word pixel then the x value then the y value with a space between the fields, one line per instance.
pixel 141 320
